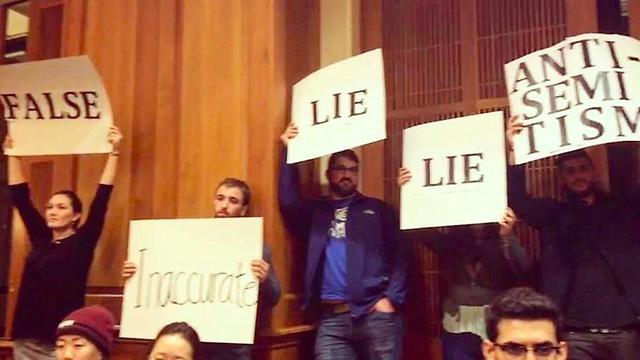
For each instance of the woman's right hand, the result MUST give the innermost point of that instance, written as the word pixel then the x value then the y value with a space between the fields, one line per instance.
pixel 404 175
pixel 128 270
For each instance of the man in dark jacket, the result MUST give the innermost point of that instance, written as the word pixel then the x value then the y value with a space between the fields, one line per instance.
pixel 590 256
pixel 356 262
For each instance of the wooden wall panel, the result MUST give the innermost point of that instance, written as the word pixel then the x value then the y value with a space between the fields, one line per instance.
pixel 110 41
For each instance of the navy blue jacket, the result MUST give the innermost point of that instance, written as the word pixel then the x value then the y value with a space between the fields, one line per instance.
pixel 377 258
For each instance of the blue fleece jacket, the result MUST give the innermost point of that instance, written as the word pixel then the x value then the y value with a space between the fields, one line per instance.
pixel 377 257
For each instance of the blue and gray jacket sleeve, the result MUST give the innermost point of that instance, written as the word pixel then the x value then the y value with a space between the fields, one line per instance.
pixel 399 251
pixel 270 290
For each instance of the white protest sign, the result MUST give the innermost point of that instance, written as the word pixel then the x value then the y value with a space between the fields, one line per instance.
pixel 458 172
pixel 193 270
pixel 578 93
pixel 339 107
pixel 55 107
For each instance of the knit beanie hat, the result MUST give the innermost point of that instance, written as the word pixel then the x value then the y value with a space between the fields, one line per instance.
pixel 92 322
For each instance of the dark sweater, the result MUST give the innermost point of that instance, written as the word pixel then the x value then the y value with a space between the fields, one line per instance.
pixel 55 273
pixel 589 256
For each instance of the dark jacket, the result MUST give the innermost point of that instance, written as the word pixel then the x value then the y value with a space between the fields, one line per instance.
pixel 377 258
pixel 610 225
pixel 270 291
pixel 459 248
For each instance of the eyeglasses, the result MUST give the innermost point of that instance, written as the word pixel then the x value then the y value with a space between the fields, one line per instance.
pixel 519 351
pixel 353 169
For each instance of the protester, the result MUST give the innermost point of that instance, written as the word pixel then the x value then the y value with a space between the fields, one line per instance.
pixel 56 269
pixel 356 262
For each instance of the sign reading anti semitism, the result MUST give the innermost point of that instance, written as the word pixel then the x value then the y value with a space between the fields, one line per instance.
pixel 458 172
pixel 578 93
pixel 55 107
pixel 339 107
pixel 193 270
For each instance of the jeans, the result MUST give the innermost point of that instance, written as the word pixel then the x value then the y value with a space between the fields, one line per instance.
pixel 463 346
pixel 376 336
pixel 33 349
pixel 214 351
pixel 624 345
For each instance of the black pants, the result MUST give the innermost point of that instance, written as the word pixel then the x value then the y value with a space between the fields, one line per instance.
pixel 624 345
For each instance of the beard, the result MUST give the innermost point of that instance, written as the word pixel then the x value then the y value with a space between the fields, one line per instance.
pixel 343 188
pixel 580 194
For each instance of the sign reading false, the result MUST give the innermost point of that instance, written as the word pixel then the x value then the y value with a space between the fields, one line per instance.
pixel 578 93
pixel 339 107
pixel 193 270
pixel 458 172
pixel 55 107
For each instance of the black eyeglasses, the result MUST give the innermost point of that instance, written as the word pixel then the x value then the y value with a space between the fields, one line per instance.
pixel 353 169
pixel 541 351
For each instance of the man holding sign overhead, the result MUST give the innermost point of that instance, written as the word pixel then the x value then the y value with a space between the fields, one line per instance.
pixel 356 262
pixel 590 255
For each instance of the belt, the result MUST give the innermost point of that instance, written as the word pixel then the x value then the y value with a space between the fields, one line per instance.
pixel 600 330
pixel 335 307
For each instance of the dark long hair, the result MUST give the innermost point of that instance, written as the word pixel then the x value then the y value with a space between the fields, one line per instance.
pixel 186 331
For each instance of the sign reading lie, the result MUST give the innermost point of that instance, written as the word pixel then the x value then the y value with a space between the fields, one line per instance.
pixel 458 172
pixel 339 107
pixel 578 93
pixel 55 107
pixel 193 270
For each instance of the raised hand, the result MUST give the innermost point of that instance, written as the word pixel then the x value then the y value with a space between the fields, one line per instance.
pixel 404 176
pixel 289 133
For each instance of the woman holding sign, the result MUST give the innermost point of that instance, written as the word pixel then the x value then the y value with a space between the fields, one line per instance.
pixel 55 272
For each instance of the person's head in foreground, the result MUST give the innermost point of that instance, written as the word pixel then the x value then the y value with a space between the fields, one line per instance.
pixel 522 324
pixel 176 341
pixel 85 334
pixel 232 198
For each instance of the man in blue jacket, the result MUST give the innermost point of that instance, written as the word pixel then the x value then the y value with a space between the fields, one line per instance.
pixel 356 262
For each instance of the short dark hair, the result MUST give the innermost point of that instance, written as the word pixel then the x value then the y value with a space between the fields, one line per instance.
pixel 76 203
pixel 237 183
pixel 577 154
pixel 522 303
pixel 349 154
pixel 186 331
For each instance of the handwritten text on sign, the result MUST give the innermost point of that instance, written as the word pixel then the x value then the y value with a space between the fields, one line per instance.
pixel 577 93
pixel 339 107
pixel 55 107
pixel 459 174
pixel 193 270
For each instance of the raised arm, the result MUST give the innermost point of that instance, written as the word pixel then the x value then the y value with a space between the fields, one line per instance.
pixel 295 209
pixel 516 256
pixel 14 164
pixel 92 227
pixel 111 166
